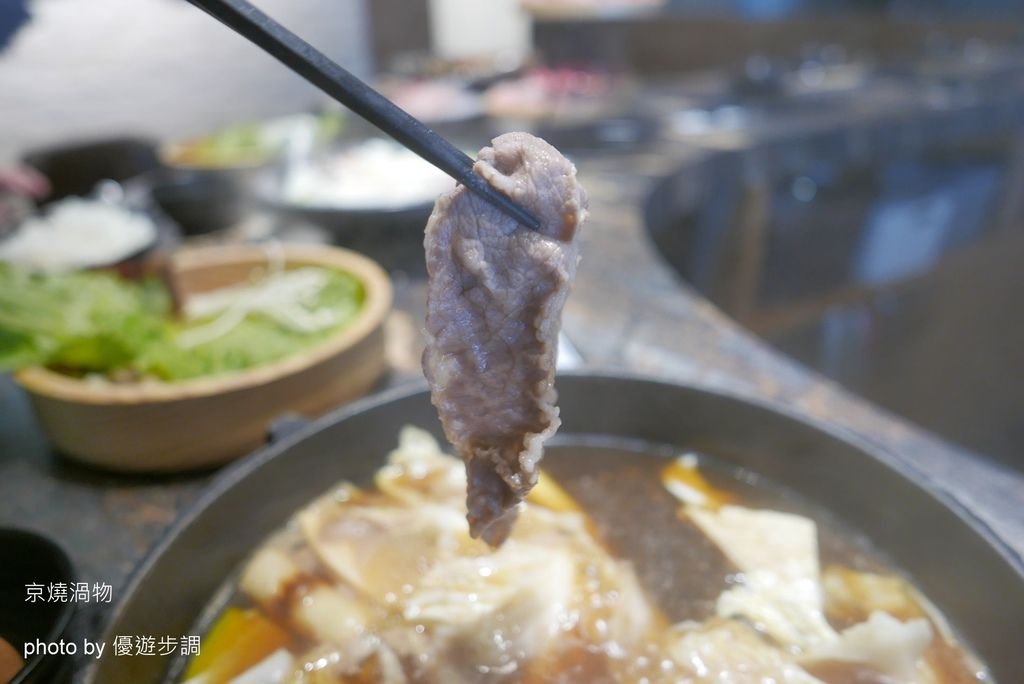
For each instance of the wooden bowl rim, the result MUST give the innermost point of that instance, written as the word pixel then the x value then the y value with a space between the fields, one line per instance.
pixel 378 297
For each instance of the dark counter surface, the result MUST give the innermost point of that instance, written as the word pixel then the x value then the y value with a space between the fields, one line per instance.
pixel 628 311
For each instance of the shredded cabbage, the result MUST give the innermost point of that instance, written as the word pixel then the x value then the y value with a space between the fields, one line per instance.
pixel 95 323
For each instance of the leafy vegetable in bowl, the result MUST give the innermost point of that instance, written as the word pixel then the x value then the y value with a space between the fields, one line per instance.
pixel 239 145
pixel 89 321
pixel 94 323
pixel 253 334
pixel 254 143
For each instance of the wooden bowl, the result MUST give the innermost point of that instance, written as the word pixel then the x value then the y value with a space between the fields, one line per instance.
pixel 155 426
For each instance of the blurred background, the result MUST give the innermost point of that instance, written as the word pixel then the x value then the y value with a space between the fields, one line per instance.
pixel 845 178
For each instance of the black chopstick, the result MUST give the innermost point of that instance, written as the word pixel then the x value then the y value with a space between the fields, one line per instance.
pixel 315 67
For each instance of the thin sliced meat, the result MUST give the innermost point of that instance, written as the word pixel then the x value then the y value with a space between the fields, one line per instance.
pixel 494 307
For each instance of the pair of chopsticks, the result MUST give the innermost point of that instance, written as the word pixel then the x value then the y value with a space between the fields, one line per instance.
pixel 315 67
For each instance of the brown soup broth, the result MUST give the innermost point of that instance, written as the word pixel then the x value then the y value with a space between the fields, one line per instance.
pixel 678 565
pixel 637 519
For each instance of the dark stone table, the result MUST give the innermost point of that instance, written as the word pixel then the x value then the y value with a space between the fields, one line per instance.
pixel 628 311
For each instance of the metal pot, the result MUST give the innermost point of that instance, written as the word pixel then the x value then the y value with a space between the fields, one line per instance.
pixel 954 559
